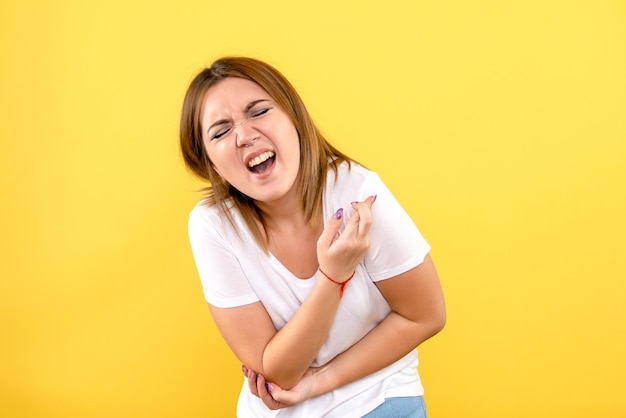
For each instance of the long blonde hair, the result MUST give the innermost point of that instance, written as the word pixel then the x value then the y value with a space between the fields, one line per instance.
pixel 316 153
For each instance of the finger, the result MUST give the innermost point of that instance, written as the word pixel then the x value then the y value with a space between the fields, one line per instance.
pixel 281 396
pixel 330 230
pixel 263 389
pixel 251 377
pixel 363 216
pixel 278 398
pixel 368 202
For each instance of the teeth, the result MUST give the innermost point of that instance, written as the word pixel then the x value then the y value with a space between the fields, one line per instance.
pixel 261 158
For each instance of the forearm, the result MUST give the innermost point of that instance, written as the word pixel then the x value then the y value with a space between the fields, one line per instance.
pixel 284 356
pixel 291 351
pixel 391 340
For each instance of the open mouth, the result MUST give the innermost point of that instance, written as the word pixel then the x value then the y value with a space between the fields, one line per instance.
pixel 262 162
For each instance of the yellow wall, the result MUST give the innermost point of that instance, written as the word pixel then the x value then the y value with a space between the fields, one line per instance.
pixel 501 126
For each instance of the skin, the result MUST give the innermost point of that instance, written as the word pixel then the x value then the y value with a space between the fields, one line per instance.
pixel 240 121
pixel 260 126
pixel 418 312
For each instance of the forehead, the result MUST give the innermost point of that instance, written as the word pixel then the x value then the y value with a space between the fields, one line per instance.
pixel 229 96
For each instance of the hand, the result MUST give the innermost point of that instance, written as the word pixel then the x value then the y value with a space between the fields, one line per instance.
pixel 339 255
pixel 273 396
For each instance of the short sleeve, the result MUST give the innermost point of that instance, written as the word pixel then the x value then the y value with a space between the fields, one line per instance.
pixel 396 243
pixel 223 280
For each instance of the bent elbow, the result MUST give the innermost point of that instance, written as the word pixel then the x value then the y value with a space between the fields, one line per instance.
pixel 439 319
pixel 435 324
pixel 439 323
pixel 277 372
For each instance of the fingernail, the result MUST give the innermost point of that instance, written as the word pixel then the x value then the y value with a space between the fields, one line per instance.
pixel 258 376
pixel 374 199
pixel 269 387
pixel 243 369
pixel 339 213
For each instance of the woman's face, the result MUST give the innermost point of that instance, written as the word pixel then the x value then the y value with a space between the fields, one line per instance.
pixel 251 141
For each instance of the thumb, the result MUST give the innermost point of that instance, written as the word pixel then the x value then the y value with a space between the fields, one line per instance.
pixel 330 230
pixel 284 397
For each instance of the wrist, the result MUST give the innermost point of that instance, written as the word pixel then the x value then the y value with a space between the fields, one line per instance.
pixel 342 284
pixel 324 380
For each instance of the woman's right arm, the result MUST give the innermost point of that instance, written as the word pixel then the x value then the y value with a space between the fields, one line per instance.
pixel 283 357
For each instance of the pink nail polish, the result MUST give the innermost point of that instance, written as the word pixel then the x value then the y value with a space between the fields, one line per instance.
pixel 339 213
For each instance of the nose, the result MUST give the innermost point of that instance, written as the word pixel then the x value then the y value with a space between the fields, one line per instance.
pixel 245 133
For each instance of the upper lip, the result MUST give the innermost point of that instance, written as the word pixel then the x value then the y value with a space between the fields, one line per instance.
pixel 255 154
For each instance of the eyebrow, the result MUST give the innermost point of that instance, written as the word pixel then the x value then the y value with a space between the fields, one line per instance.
pixel 246 110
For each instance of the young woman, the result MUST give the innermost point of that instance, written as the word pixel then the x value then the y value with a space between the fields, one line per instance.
pixel 317 279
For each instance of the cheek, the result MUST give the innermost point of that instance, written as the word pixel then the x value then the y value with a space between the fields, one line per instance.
pixel 213 152
pixel 212 161
pixel 221 159
pixel 292 137
pixel 296 143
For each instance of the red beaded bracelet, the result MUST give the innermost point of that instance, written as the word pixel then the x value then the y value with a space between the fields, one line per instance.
pixel 342 284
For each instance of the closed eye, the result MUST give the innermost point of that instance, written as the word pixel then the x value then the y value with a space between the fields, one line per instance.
pixel 226 126
pixel 260 112
pixel 221 133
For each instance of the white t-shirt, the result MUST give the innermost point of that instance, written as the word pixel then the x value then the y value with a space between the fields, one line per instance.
pixel 234 271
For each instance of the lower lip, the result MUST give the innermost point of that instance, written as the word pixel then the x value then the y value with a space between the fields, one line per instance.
pixel 266 173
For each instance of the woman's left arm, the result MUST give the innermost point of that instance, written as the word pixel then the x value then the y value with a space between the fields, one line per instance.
pixel 417 313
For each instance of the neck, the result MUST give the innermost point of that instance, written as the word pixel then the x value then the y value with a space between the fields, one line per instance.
pixel 284 214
